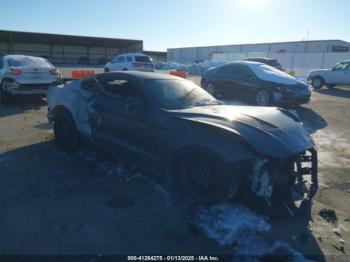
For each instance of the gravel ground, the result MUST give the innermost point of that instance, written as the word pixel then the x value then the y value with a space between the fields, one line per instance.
pixel 55 202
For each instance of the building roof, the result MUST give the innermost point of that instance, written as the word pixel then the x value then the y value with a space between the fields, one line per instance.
pixel 269 43
pixel 40 38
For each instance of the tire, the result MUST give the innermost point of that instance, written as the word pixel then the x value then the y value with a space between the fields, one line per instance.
pixel 211 89
pixel 263 97
pixel 205 178
pixel 66 133
pixel 4 96
pixel 317 82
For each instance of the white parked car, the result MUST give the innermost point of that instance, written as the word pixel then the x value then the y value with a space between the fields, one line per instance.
pixel 130 62
pixel 338 75
pixel 25 75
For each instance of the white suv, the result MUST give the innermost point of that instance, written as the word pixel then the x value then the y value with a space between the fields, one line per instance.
pixel 338 75
pixel 25 75
pixel 130 62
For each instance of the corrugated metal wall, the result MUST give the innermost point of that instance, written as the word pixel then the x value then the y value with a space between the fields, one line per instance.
pixel 191 54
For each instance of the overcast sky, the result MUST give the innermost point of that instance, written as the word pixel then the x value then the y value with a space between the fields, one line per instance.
pixel 163 24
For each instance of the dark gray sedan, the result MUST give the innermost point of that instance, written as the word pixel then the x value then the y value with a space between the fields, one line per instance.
pixel 263 84
pixel 178 131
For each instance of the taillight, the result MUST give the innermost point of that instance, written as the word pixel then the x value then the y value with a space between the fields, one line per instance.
pixel 15 72
pixel 53 71
pixel 136 64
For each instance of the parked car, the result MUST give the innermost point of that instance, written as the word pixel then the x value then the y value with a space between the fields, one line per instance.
pixel 25 75
pixel 178 131
pixel 130 62
pixel 338 75
pixel 256 81
pixel 267 61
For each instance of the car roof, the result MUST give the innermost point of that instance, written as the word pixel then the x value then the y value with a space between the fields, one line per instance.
pixel 132 54
pixel 247 63
pixel 260 58
pixel 20 57
pixel 144 75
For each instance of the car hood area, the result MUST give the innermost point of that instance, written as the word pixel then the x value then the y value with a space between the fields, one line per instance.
pixel 319 72
pixel 270 131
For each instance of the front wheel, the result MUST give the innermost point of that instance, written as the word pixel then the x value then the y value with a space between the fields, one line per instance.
pixel 4 95
pixel 66 134
pixel 317 82
pixel 262 98
pixel 211 88
pixel 206 179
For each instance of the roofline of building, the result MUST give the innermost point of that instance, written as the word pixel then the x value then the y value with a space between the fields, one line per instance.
pixel 64 35
pixel 269 43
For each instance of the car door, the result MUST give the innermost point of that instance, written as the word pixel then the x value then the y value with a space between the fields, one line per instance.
pixel 122 119
pixel 225 81
pixel 339 74
pixel 244 80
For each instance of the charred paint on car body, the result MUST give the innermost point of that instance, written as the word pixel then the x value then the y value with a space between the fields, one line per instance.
pixel 163 121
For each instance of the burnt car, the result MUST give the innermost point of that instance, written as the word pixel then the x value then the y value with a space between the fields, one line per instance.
pixel 267 61
pixel 175 129
pixel 256 82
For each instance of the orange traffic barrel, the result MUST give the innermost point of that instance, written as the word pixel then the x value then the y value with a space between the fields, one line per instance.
pixel 182 74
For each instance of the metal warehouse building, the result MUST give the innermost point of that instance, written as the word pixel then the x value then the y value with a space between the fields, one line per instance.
pixel 192 54
pixel 66 49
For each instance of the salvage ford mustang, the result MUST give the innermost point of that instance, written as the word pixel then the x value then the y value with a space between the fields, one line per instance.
pixel 178 131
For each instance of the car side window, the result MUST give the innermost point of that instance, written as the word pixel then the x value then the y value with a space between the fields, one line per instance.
pixel 225 70
pixel 89 84
pixel 242 72
pixel 129 58
pixel 121 59
pixel 120 88
pixel 341 66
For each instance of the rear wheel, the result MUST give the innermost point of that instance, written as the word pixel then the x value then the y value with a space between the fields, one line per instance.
pixel 4 95
pixel 263 98
pixel 66 134
pixel 206 178
pixel 317 82
pixel 211 88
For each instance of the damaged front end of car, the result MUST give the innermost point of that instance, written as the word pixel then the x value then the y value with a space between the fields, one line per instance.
pixel 278 182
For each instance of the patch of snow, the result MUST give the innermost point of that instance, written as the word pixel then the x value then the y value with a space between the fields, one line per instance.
pixel 269 73
pixel 227 223
pixel 28 61
pixel 233 224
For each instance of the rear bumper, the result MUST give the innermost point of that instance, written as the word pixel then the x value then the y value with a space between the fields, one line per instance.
pixel 29 89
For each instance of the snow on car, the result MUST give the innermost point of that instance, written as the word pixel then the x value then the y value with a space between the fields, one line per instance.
pixel 338 75
pixel 175 129
pixel 25 75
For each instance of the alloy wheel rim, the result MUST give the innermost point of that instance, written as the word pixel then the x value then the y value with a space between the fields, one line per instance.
pixel 262 98
pixel 211 89
pixel 317 82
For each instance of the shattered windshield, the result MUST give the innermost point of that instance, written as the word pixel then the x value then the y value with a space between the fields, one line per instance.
pixel 179 94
